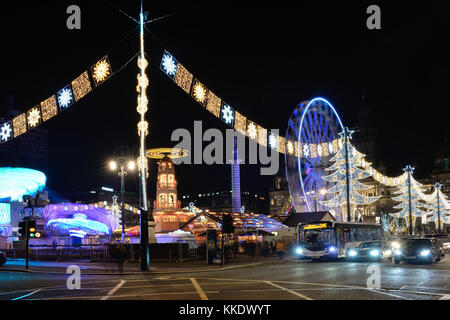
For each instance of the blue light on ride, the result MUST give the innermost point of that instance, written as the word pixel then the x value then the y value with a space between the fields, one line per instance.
pixel 374 253
pixel 17 182
pixel 332 249
pixel 425 253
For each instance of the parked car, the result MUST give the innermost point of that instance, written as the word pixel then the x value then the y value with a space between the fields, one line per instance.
pixel 2 258
pixel 370 250
pixel 426 250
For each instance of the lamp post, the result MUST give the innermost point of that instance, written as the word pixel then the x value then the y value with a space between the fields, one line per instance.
pixel 121 165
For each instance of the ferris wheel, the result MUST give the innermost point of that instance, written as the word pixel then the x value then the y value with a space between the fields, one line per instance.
pixel 314 125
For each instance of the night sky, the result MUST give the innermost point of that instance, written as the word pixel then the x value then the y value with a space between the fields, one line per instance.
pixel 262 59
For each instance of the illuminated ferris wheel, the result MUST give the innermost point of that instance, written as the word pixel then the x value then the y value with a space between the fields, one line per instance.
pixel 314 126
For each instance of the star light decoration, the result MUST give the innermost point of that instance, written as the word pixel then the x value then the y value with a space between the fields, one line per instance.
pixel 5 131
pixel 199 92
pixel 34 117
pixel 252 132
pixel 101 71
pixel 65 98
pixel 169 65
pixel 227 114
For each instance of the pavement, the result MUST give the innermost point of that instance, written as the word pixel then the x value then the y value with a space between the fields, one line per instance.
pixel 129 268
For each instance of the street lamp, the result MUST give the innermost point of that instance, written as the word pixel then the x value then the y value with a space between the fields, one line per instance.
pixel 121 165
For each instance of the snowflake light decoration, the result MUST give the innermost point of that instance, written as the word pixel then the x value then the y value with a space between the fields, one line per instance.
pixel 251 130
pixel 34 117
pixel 65 98
pixel 169 65
pixel 199 92
pixel 227 114
pixel 5 132
pixel 101 71
pixel 319 150
pixel 273 141
pixel 306 150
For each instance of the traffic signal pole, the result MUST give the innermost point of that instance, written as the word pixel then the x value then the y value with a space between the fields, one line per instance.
pixel 26 244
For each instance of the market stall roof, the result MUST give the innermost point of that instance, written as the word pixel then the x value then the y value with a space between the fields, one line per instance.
pixel 295 218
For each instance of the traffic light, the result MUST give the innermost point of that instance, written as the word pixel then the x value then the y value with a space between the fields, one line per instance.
pixel 227 224
pixel 31 228
pixel 22 228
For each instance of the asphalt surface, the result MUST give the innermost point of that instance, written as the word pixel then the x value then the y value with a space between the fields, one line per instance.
pixel 278 280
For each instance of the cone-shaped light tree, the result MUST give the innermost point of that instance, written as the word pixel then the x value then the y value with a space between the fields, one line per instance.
pixel 439 207
pixel 345 193
pixel 412 200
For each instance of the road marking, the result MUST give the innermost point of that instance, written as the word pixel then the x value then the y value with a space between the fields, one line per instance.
pixel 26 295
pixel 139 295
pixel 288 290
pixel 113 290
pixel 199 289
pixel 388 294
pixel 446 297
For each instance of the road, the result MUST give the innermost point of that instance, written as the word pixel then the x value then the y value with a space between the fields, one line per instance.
pixel 287 280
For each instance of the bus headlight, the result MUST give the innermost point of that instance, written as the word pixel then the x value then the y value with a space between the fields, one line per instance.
pixel 299 250
pixel 332 249
pixel 424 253
pixel 374 253
pixel 352 253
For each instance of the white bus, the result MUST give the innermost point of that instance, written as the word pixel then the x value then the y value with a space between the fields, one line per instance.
pixel 332 239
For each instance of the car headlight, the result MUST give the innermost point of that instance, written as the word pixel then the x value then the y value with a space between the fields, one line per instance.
pixel 332 249
pixel 398 252
pixel 299 250
pixel 374 253
pixel 352 253
pixel 424 253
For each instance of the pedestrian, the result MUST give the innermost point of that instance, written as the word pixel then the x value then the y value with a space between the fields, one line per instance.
pixel 281 247
pixel 266 248
pixel 273 246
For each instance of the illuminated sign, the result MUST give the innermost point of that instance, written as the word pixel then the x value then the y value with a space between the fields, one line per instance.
pixel 107 189
pixel 316 226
